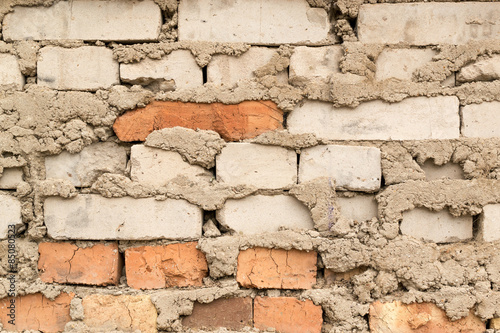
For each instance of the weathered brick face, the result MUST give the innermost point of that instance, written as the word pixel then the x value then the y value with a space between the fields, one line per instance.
pixel 100 264
pixel 30 309
pixel 233 122
pixel 217 165
pixel 176 265
pixel 275 268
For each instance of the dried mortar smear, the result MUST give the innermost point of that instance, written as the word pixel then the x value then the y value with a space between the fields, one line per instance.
pixel 457 277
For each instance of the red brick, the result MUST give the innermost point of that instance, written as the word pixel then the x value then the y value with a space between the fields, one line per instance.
pixel 418 318
pixel 231 313
pixel 174 265
pixel 100 264
pixel 233 122
pixel 287 315
pixel 276 268
pixel 36 312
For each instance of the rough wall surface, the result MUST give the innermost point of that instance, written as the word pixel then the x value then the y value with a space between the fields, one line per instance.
pixel 245 166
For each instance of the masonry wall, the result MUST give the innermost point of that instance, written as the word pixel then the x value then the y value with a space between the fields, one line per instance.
pixel 245 166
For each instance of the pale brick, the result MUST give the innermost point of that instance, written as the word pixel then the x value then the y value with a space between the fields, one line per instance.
pixel 401 63
pixel 487 69
pixel 10 178
pixel 265 167
pixel 315 62
pixel 84 168
pixel 353 168
pixel 11 213
pixel 438 227
pixel 86 20
pixel 90 216
pixel 126 313
pixel 260 213
pixel 417 118
pixel 358 208
pixel 309 64
pixel 489 223
pixel 83 68
pixel 448 170
pixel 481 120
pixel 428 23
pixel 419 317
pixel 157 167
pixel 229 70
pixel 270 22
pixel 179 68
pixel 10 73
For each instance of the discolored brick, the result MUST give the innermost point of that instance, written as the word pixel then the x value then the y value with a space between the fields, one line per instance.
pixel 174 265
pixel 231 313
pixel 233 122
pixel 106 313
pixel 418 318
pixel 276 268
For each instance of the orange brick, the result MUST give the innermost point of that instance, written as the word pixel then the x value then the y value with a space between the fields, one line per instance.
pixel 174 265
pixel 233 122
pixel 418 318
pixel 275 268
pixel 36 312
pixel 287 315
pixel 231 313
pixel 99 265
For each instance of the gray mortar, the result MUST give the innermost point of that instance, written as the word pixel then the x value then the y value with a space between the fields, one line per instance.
pixel 457 277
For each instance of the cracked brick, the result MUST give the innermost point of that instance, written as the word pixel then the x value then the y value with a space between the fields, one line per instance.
pixel 99 265
pixel 36 312
pixel 174 265
pixel 276 268
pixel 127 313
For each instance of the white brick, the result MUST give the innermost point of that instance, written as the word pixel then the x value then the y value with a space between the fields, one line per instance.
pixel 90 216
pixel 10 178
pixel 417 118
pixel 265 167
pixel 83 68
pixel 352 168
pixel 84 168
pixel 259 214
pixel 10 209
pixel 229 70
pixel 438 227
pixel 481 120
pixel 483 70
pixel 317 63
pixel 489 223
pixel 428 23
pixel 179 66
pixel 157 167
pixel 401 63
pixel 448 170
pixel 86 20
pixel 358 208
pixel 262 22
pixel 10 73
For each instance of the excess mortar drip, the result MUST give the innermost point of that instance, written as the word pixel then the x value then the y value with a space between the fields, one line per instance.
pixel 38 122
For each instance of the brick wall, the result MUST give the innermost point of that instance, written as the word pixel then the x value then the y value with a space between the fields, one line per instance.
pixel 277 165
